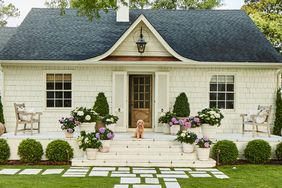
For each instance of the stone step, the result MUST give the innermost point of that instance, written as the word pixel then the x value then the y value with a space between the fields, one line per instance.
pixel 145 163
pixel 143 152
pixel 144 142
pixel 147 156
pixel 141 149
pixel 145 146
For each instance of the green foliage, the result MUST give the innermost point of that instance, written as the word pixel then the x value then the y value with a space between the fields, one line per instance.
pixel 167 117
pixel 257 151
pixel 2 119
pixel 187 4
pixel 83 114
pixel 30 151
pixel 4 151
pixel 278 151
pixel 59 151
pixel 88 140
pixel 267 15
pixel 110 119
pixel 62 4
pixel 7 11
pixel 181 106
pixel 101 105
pixel 228 152
pixel 278 114
pixel 186 137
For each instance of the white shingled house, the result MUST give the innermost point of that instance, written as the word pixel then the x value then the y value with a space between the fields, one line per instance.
pixel 219 58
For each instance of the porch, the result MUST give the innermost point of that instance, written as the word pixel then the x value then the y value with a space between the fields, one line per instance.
pixel 156 149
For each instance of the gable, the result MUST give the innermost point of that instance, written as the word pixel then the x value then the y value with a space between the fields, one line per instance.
pixel 153 48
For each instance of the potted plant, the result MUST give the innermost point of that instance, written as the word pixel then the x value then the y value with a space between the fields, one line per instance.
pixel 87 118
pixel 105 135
pixel 89 143
pixel 101 106
pixel 210 119
pixel 187 139
pixel 110 121
pixel 181 106
pixel 68 125
pixel 203 149
pixel 174 126
pixel 165 120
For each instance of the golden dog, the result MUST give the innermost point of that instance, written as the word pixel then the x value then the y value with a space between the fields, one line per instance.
pixel 139 133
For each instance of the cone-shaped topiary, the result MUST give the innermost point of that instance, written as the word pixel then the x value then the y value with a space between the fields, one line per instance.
pixel 278 114
pixel 101 105
pixel 181 107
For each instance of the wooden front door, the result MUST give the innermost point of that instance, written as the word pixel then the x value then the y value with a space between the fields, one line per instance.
pixel 140 100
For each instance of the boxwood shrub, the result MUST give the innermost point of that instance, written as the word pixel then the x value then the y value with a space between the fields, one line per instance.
pixel 4 151
pixel 30 151
pixel 59 151
pixel 228 152
pixel 257 151
pixel 278 151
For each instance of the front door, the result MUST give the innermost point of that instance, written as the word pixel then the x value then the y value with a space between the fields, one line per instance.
pixel 140 100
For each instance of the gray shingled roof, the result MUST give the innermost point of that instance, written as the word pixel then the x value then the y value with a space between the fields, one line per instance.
pixel 5 34
pixel 206 35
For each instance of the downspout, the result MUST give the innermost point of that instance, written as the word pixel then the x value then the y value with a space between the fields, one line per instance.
pixel 278 84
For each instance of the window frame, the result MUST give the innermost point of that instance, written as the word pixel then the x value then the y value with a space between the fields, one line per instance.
pixel 45 90
pixel 234 74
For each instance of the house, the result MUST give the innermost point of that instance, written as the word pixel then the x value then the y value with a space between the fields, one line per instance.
pixel 219 58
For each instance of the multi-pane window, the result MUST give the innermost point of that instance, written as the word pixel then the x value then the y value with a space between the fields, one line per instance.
pixel 222 91
pixel 58 90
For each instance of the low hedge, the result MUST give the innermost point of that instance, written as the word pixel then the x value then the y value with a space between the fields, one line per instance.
pixel 30 151
pixel 4 151
pixel 278 151
pixel 228 152
pixel 257 151
pixel 59 151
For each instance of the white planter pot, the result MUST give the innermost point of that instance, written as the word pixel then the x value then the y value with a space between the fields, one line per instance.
pixel 187 148
pixel 68 135
pixel 111 127
pixel 87 127
pixel 91 153
pixel 203 154
pixel 105 146
pixel 208 131
pixel 174 129
pixel 166 128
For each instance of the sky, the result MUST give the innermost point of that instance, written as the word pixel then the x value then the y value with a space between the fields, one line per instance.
pixel 25 5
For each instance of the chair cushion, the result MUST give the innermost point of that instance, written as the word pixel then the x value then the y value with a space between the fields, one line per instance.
pixel 25 117
pixel 261 116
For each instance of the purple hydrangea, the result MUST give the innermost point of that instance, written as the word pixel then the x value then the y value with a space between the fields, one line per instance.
pixel 197 140
pixel 173 120
pixel 207 145
pixel 109 135
pixel 206 139
pixel 187 124
pixel 197 120
pixel 61 120
pixel 102 130
pixel 69 130
pixel 97 135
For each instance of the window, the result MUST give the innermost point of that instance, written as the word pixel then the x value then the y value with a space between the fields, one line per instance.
pixel 222 91
pixel 58 90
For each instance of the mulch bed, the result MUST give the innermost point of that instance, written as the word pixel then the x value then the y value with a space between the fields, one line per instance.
pixel 49 163
pixel 271 162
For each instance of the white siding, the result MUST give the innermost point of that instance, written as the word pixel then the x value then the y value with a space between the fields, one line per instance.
pixel 26 84
pixel 128 46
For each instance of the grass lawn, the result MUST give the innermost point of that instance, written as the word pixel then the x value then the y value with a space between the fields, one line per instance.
pixel 244 176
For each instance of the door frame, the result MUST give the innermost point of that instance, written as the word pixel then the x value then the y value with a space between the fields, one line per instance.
pixel 152 74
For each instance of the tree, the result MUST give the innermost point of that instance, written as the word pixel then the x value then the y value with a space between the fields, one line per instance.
pixel 267 15
pixel 186 4
pixel 181 106
pixel 101 105
pixel 62 4
pixel 278 114
pixel 92 8
pixel 7 11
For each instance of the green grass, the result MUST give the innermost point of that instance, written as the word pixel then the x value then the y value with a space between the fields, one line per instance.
pixel 244 176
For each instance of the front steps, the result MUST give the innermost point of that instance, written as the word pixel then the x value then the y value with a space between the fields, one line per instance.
pixel 145 153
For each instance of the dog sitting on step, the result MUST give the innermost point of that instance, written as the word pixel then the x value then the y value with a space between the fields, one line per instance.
pixel 139 132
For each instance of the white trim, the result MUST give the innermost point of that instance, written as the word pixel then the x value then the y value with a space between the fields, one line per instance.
pixel 265 65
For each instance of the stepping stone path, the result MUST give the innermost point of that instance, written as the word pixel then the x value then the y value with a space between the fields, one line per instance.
pixel 134 177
